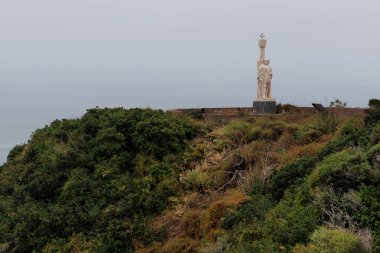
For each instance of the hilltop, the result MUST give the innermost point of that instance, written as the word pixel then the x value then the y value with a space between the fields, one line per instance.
pixel 142 180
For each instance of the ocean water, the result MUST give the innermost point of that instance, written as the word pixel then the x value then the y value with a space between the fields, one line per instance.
pixel 17 123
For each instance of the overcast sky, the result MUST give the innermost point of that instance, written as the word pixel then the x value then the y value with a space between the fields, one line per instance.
pixel 59 57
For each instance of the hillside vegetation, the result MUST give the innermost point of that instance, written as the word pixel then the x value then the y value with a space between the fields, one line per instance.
pixel 141 180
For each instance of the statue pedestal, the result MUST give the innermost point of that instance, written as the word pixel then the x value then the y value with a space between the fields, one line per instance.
pixel 265 106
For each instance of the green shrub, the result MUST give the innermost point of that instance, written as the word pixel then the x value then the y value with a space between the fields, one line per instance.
pixel 344 170
pixel 15 152
pixel 76 243
pixel 290 175
pixel 374 103
pixel 274 127
pixel 195 115
pixel 291 221
pixel 102 177
pixel 369 214
pixel 375 135
pixel 263 245
pixel 196 180
pixel 241 132
pixel 354 131
pixel 252 211
pixel 327 123
pixel 335 241
pixel 372 118
pixel 307 134
pixel 161 135
pixel 337 145
pixel 197 152
pixel 373 155
pixel 349 127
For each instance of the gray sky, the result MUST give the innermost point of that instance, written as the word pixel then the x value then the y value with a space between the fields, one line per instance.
pixel 59 57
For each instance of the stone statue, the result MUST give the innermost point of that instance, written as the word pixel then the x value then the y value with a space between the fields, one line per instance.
pixel 264 79
pixel 264 72
pixel 264 103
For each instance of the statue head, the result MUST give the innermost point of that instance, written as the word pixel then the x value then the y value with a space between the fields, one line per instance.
pixel 266 61
pixel 262 41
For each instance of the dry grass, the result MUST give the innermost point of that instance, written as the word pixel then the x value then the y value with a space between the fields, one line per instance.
pixel 195 220
pixel 180 245
pixel 296 152
pixel 190 225
pixel 197 200
pixel 175 245
pixel 219 206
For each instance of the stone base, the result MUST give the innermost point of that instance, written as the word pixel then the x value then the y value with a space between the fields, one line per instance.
pixel 265 106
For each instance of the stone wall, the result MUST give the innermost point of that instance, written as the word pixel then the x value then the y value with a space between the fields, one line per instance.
pixel 230 113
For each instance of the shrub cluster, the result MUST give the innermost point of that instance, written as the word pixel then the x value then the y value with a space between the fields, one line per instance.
pixel 91 184
pixel 316 204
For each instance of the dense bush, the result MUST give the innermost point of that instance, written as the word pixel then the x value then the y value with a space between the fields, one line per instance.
pixel 350 127
pixel 374 103
pixel 252 211
pixel 240 132
pixel 336 145
pixel 347 169
pixel 92 183
pixel 290 176
pixel 335 241
pixel 327 123
pixel 15 151
pixel 369 214
pixel 373 155
pixel 291 221
pixel 375 135
pixel 307 134
pixel 372 118
pixel 196 180
pixel 196 115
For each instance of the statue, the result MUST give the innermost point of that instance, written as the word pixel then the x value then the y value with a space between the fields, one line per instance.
pixel 264 102
pixel 264 72
pixel 264 80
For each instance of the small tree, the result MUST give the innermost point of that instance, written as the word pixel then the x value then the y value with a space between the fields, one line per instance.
pixel 374 103
pixel 338 104
pixel 373 116
pixel 328 122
